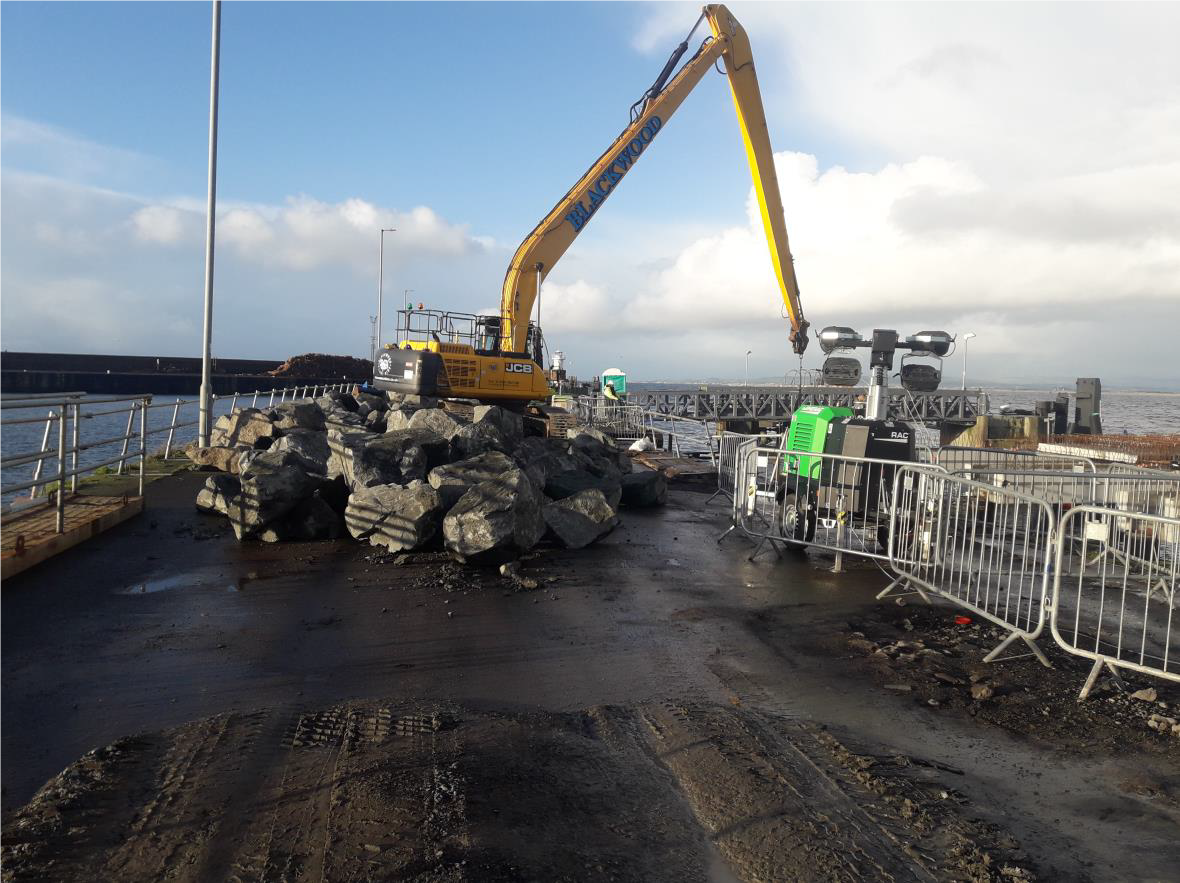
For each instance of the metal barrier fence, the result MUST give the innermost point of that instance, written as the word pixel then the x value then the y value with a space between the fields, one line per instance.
pixel 965 460
pixel 732 447
pixel 1150 493
pixel 985 548
pixel 68 413
pixel 1114 591
pixel 827 501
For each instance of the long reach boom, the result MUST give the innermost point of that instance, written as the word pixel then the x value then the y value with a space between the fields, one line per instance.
pixel 550 239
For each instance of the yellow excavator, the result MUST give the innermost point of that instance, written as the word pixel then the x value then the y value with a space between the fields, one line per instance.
pixel 498 358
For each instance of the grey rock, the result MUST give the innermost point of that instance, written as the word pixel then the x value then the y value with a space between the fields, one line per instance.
pixel 375 402
pixel 585 434
pixel 336 401
pixel 647 488
pixel 246 426
pixel 437 420
pixel 375 421
pixel 398 418
pixel 417 401
pixel 309 444
pixel 271 488
pixel 501 517
pixel 453 480
pixel 344 421
pixel 313 519
pixel 251 461
pixel 580 519
pixel 397 457
pixel 218 492
pixel 573 481
pixel 298 415
pixel 220 457
pixel 473 439
pixel 395 516
pixel 509 424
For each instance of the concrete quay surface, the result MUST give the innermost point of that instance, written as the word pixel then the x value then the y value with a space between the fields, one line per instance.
pixel 659 708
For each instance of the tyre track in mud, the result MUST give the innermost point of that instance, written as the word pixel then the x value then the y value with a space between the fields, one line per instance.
pixel 413 791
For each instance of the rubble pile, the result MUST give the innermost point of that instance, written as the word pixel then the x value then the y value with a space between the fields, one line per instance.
pixel 400 472
pixel 322 366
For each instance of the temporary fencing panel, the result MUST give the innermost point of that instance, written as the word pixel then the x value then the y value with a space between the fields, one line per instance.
pixel 988 549
pixel 827 501
pixel 1114 591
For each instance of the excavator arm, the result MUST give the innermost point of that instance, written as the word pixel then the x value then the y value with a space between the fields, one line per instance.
pixel 550 239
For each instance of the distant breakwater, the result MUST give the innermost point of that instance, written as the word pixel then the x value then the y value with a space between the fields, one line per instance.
pixel 156 375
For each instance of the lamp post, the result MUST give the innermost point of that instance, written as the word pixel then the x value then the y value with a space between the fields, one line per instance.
pixel 966 337
pixel 748 366
pixel 381 278
pixel 205 417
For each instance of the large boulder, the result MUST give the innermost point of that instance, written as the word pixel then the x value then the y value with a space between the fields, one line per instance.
pixel 395 516
pixel 453 480
pixel 336 401
pixel 344 421
pixel 573 481
pixel 218 492
pixel 497 518
pixel 509 424
pixel 247 426
pixel 375 421
pixel 543 458
pixel 271 488
pixel 647 488
pixel 474 439
pixel 580 519
pixel 312 446
pixel 437 420
pixel 374 402
pixel 392 458
pixel 220 457
pixel 398 418
pixel 586 434
pixel 297 415
pixel 313 519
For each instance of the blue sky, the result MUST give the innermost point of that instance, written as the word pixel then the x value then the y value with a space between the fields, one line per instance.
pixel 960 167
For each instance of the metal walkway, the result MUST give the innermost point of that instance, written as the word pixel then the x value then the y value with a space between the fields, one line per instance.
pixel 779 402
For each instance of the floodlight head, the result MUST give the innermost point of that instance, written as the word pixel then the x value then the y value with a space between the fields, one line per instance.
pixel 936 343
pixel 838 337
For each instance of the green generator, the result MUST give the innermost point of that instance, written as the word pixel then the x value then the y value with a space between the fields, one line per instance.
pixel 835 489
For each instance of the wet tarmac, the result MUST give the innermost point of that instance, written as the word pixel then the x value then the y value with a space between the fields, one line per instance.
pixel 167 620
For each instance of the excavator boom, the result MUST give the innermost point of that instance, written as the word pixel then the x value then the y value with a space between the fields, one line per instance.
pixel 550 239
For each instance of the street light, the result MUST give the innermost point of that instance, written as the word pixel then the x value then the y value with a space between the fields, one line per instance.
pixel 966 337
pixel 748 366
pixel 381 278
pixel 205 415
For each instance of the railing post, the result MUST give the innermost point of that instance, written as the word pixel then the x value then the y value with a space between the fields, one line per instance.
pixel 272 397
pixel 126 438
pixel 61 469
pixel 37 470
pixel 172 429
pixel 143 411
pixel 254 404
pixel 233 405
pixel 74 454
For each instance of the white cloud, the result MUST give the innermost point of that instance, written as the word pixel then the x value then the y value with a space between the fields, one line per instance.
pixel 159 223
pixel 305 234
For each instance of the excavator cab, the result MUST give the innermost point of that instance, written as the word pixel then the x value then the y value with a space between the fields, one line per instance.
pixel 460 355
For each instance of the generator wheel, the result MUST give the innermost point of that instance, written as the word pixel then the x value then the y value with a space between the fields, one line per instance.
pixel 798 520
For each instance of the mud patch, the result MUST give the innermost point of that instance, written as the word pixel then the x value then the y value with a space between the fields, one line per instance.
pixel 933 655
pixel 401 791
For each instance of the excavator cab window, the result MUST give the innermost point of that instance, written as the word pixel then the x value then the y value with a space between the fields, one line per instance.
pixel 487 335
